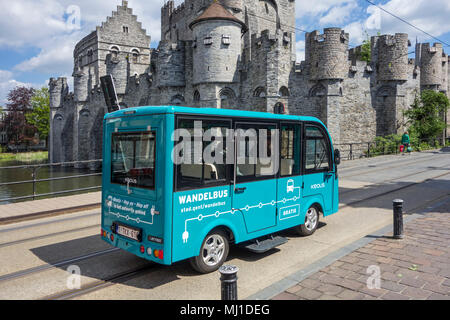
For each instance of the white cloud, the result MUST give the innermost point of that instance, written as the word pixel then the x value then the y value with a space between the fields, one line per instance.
pixel 317 7
pixel 47 25
pixel 300 50
pixel 430 16
pixel 338 14
pixel 7 83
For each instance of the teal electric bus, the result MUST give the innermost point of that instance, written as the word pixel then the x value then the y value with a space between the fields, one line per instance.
pixel 185 183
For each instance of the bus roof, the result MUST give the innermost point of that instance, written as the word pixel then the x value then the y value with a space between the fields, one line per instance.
pixel 149 110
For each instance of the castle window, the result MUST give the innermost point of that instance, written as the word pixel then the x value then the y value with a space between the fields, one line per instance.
pixel 90 55
pixel 135 55
pixel 196 96
pixel 177 100
pixel 208 41
pixel 125 29
pixel 284 92
pixel 260 92
pixel 114 52
pixel 227 98
pixel 226 39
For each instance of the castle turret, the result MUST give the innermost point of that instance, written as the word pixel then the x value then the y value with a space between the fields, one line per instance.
pixel 327 54
pixel 391 54
pixel 430 62
pixel 81 86
pixel 118 67
pixel 58 89
pixel 217 45
pixel 171 64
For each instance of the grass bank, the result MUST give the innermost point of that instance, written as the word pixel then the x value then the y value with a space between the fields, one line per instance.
pixel 25 156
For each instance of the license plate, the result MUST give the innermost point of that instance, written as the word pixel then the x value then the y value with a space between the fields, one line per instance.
pixel 129 232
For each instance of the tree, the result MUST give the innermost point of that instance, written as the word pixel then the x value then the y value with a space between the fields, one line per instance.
pixel 39 116
pixel 425 115
pixel 17 129
pixel 366 50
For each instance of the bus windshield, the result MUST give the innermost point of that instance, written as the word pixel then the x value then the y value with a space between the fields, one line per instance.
pixel 133 159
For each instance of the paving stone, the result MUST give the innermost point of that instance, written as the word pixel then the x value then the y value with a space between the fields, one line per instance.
pixel 394 296
pixel 416 293
pixel 330 289
pixel 308 294
pixel 286 296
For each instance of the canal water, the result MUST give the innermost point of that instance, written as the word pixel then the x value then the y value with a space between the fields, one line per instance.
pixel 45 172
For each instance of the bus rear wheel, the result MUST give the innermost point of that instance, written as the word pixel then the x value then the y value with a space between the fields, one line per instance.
pixel 213 253
pixel 311 222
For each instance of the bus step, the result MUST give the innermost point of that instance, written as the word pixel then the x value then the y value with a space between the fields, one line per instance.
pixel 262 245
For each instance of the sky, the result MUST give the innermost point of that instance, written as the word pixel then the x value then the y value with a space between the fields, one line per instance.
pixel 37 37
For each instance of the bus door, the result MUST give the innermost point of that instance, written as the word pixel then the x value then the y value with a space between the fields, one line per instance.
pixel 318 166
pixel 290 179
pixel 255 170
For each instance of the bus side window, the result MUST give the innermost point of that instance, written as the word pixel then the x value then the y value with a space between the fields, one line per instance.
pixel 290 150
pixel 317 150
pixel 205 160
pixel 257 152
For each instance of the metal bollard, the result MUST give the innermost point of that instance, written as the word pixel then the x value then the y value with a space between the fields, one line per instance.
pixel 398 219
pixel 229 282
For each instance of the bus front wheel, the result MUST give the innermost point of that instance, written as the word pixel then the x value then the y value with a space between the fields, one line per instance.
pixel 311 222
pixel 213 253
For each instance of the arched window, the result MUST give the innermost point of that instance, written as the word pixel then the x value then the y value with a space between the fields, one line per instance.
pixel 177 100
pixel 317 91
pixel 284 92
pixel 90 55
pixel 279 108
pixel 114 51
pixel 227 98
pixel 80 61
pixel 135 55
pixel 260 92
pixel 196 96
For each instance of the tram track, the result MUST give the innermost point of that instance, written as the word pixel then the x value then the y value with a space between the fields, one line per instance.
pixel 383 182
pixel 136 272
pixel 103 283
pixel 12 243
pixel 378 167
pixel 48 266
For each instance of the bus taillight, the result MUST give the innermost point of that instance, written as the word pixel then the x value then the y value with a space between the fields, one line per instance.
pixel 159 254
pixel 142 249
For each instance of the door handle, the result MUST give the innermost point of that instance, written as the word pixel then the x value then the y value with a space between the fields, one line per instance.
pixel 240 190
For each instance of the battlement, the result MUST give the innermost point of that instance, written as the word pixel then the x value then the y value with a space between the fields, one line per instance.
pixel 432 60
pixel 327 53
pixel 390 54
pixel 58 90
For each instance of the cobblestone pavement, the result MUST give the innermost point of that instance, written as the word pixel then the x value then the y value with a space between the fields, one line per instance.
pixel 414 268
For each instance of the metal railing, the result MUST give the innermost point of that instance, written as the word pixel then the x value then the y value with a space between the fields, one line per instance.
pixel 357 150
pixel 34 180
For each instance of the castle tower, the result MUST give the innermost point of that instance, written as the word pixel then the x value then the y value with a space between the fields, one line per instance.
pixel 327 54
pixel 327 64
pixel 431 60
pixel 170 64
pixel 58 90
pixel 119 68
pixel 391 54
pixel 217 46
pixel 390 62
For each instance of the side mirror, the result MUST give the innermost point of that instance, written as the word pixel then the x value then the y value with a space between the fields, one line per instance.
pixel 337 157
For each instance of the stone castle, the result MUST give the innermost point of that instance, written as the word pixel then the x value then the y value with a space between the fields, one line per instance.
pixel 241 55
